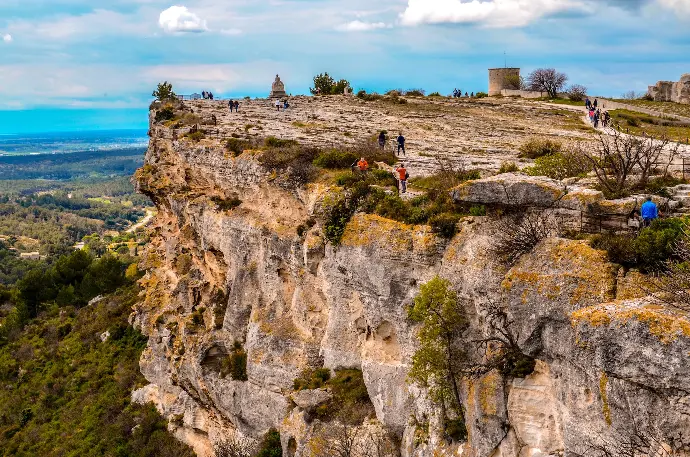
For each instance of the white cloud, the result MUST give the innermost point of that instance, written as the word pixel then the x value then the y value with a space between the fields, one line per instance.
pixel 680 6
pixel 493 13
pixel 178 19
pixel 359 26
pixel 7 38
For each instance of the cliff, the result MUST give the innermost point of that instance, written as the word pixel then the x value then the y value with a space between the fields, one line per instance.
pixel 231 269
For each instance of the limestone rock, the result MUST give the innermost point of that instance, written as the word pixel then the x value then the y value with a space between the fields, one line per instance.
pixel 310 399
pixel 511 189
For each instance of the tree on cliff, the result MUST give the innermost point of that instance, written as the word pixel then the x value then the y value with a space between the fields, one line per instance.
pixel 164 92
pixel 438 363
pixel 547 80
pixel 324 84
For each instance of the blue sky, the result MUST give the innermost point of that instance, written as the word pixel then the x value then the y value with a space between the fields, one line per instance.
pixel 82 64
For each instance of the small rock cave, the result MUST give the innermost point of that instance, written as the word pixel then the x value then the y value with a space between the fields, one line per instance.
pixel 214 361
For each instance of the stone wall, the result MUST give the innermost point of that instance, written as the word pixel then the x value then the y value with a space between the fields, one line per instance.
pixel 669 91
pixel 523 93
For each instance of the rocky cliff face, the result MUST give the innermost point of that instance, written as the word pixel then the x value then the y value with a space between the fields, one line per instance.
pixel 222 276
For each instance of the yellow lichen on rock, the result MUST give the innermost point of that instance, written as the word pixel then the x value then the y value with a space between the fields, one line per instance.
pixel 605 408
pixel 665 324
pixel 369 229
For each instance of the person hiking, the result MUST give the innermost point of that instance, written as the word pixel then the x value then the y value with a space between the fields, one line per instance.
pixel 402 177
pixel 382 139
pixel 203 94
pixel 237 106
pixel 588 103
pixel 595 104
pixel 363 165
pixel 231 104
pixel 401 144
pixel 286 105
pixel 596 119
pixel 278 105
pixel 649 212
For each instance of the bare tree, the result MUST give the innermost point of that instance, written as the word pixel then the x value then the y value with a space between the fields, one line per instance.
pixel 633 442
pixel 518 234
pixel 672 285
pixel 632 95
pixel 618 156
pixel 501 349
pixel 547 80
pixel 577 92
pixel 235 447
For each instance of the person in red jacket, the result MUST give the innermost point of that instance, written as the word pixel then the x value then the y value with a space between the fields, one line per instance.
pixel 402 176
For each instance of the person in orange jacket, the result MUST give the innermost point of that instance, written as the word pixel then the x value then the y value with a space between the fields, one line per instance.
pixel 363 164
pixel 402 176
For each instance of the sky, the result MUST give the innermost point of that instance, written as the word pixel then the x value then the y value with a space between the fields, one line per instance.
pixel 89 64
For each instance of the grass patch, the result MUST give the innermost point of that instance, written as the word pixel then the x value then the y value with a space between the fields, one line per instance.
pixel 559 166
pixel 312 379
pixel 640 124
pixel 677 109
pixel 539 147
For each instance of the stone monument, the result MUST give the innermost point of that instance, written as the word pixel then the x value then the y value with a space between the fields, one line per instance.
pixel 278 89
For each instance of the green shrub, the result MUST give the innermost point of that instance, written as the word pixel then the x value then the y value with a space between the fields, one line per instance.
pixel 415 92
pixel 198 316
pixel 335 158
pixel 653 246
pixel 362 94
pixel 273 142
pixel 312 379
pixel 539 147
pixel 478 210
pixel 270 445
pixel 165 114
pixel 196 136
pixel 481 95
pixel 560 165
pixel 508 167
pixel 350 402
pixel 237 146
pixel 435 94
pixel 292 163
pixel 445 225
pixel 237 363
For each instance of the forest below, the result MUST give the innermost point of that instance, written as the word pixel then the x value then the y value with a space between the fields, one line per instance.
pixel 69 360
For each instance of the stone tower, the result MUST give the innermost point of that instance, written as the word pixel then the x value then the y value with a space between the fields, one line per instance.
pixel 277 89
pixel 497 79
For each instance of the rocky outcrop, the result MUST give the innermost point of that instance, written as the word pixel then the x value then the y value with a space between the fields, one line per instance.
pixel 244 280
pixel 669 91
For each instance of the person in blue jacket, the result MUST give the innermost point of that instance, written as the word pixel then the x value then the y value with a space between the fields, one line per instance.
pixel 649 212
